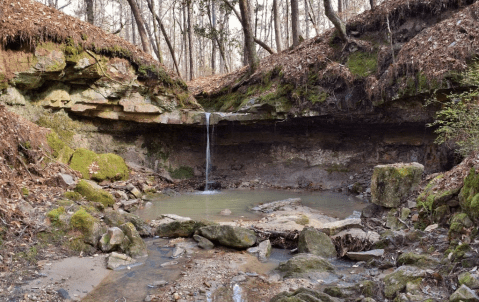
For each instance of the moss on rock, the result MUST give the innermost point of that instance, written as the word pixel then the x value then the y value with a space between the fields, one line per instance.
pixel 423 261
pixel 82 221
pixel 99 166
pixel 93 193
pixel 469 195
pixel 54 215
pixel 55 143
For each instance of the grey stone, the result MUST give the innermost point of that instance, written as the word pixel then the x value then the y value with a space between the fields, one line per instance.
pixel 116 260
pixel 112 240
pixel 203 242
pixel 277 205
pixel 397 280
pixel 464 294
pixel 359 234
pixel 136 246
pixel 303 264
pixel 68 179
pixel 235 237
pixel 177 252
pixel 365 256
pixel 332 228
pixel 314 242
pixel 262 251
pixel 468 279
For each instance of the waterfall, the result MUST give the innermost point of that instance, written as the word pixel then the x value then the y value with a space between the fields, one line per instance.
pixel 208 155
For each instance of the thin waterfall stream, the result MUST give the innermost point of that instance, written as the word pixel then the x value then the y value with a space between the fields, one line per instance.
pixel 208 155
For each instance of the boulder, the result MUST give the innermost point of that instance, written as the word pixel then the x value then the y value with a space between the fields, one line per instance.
pixel 203 242
pixel 278 205
pixel 468 279
pixel 262 251
pixel 397 280
pixel 464 294
pixel 91 191
pixel 303 295
pixel 303 264
pixel 136 246
pixel 112 239
pixel 314 242
pixel 116 260
pixel 419 260
pixel 358 234
pixel 181 228
pixel 365 256
pixel 230 236
pixel 391 184
pixel 99 167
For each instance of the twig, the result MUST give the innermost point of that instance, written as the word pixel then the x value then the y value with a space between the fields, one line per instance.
pixel 25 166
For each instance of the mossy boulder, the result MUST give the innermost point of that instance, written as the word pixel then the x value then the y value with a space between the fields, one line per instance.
pixel 88 225
pixel 391 184
pixel 365 288
pixel 468 279
pixel 136 246
pixel 54 215
pixel 433 197
pixel 99 167
pixel 459 222
pixel 112 240
pixel 302 265
pixel 464 294
pixel 303 295
pixel 315 242
pixel 94 193
pixel 419 260
pixel 469 195
pixel 181 228
pixel 229 236
pixel 397 280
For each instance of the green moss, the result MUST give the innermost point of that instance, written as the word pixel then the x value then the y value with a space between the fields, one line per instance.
pixel 303 220
pixel 94 194
pixel 362 64
pixel 84 37
pixel 99 166
pixel 25 191
pixel 461 250
pixel 182 172
pixel 54 215
pixel 469 195
pixel 75 196
pixel 55 143
pixel 337 168
pixel 82 221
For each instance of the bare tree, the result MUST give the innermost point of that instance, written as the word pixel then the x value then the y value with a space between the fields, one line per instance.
pixel 334 18
pixel 295 22
pixel 190 39
pixel 90 16
pixel 140 25
pixel 277 28
pixel 372 3
pixel 248 36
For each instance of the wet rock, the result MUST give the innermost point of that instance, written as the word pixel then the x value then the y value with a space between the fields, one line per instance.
pixel 63 293
pixel 365 256
pixel 371 210
pixel 177 252
pixel 464 294
pixel 405 213
pixel 419 260
pixel 141 226
pixel 230 236
pixel 112 240
pixel 278 205
pixel 441 214
pixel 160 283
pixel 203 242
pixel 262 251
pixel 303 264
pixel 397 280
pixel 225 212
pixel 470 280
pixel 314 242
pixel 185 228
pixel 391 184
pixel 303 295
pixel 332 228
pixel 136 247
pixel 366 288
pixel 116 260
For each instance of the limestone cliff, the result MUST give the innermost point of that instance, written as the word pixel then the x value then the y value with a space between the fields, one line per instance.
pixel 57 61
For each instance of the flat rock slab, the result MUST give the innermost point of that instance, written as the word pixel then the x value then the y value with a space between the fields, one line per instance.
pixel 75 276
pixel 365 256
pixel 277 205
pixel 359 234
pixel 332 228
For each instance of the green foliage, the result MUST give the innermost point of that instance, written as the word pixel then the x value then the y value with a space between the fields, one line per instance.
pixel 182 172
pixel 362 64
pixel 54 215
pixel 94 194
pixel 75 196
pixel 457 122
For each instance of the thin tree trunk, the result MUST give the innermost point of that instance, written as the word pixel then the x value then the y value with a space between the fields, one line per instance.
pixel 372 3
pixel 334 18
pixel 90 16
pixel 190 39
pixel 313 18
pixel 306 18
pixel 213 45
pixel 287 23
pixel 151 6
pixel 133 28
pixel 141 26
pixel 340 6
pixel 295 22
pixel 248 36
pixel 277 26
pixel 185 42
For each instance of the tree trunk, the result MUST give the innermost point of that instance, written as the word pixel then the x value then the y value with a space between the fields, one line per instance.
pixel 90 17
pixel 151 5
pixel 185 42
pixel 287 23
pixel 190 40
pixel 340 6
pixel 248 36
pixel 295 22
pixel 277 28
pixel 334 18
pixel 141 27
pixel 133 28
pixel 372 3
pixel 306 18
pixel 213 45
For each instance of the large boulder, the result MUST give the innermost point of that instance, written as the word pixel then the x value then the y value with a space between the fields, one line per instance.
pixel 303 295
pixel 112 239
pixel 95 193
pixel 99 167
pixel 303 264
pixel 262 251
pixel 181 228
pixel 230 236
pixel 390 184
pixel 315 242
pixel 136 246
pixel 397 280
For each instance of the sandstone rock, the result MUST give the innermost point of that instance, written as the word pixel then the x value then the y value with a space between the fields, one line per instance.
pixel 397 280
pixel 67 178
pixel 464 294
pixel 203 242
pixel 112 239
pixel 314 242
pixel 235 237
pixel 93 192
pixel 262 251
pixel 116 260
pixel 303 264
pixel 136 246
pixel 12 97
pixel 390 184
pixel 332 228
pixel 365 256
